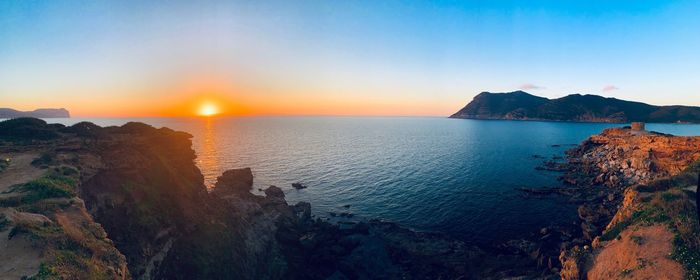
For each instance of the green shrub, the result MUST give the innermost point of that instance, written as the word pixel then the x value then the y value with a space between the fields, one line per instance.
pixel 52 186
pixel 27 129
pixel 671 205
pixel 84 129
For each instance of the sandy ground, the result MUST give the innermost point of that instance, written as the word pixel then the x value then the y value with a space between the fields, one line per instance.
pixel 20 170
pixel 18 257
pixel 641 253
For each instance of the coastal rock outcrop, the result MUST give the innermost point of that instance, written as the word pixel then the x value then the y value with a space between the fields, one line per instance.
pixel 636 212
pixel 604 165
pixel 136 194
pixel 620 157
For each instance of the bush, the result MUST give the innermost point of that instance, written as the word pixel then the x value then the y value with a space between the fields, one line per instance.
pixel 84 129
pixel 135 128
pixel 47 187
pixel 27 129
pixel 44 160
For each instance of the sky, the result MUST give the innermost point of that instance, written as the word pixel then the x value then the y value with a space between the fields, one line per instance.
pixel 403 58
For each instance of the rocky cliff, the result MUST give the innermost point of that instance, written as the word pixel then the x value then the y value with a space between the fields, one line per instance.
pixel 129 202
pixel 520 105
pixel 86 202
pixel 637 211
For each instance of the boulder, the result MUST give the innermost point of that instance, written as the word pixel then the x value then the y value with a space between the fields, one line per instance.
pixel 235 181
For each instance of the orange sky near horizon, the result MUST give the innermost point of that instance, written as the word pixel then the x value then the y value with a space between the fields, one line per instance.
pixel 167 58
pixel 187 100
pixel 285 106
pixel 164 98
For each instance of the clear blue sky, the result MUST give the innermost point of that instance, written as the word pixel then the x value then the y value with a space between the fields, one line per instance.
pixel 357 57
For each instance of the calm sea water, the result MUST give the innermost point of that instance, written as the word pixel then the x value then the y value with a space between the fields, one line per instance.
pixel 435 174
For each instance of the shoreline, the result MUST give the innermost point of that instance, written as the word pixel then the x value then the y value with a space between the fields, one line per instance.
pixel 124 183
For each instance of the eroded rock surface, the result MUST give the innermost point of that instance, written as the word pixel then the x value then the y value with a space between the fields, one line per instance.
pixel 630 189
pixel 138 204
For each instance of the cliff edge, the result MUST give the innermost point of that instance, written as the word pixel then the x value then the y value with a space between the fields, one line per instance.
pixel 638 209
pixel 87 202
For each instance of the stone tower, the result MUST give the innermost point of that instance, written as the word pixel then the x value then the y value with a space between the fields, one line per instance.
pixel 637 126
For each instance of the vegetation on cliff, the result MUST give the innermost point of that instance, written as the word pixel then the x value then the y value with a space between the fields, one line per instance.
pixel 106 203
pixel 47 213
pixel 638 213
pixel 141 185
pixel 668 202
pixel 520 105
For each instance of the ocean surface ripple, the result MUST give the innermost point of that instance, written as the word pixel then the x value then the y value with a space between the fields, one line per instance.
pixel 434 174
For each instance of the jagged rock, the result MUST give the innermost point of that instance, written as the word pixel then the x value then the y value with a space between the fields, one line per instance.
pixel 234 181
pixel 574 263
pixel 303 211
pixel 142 186
pixel 274 192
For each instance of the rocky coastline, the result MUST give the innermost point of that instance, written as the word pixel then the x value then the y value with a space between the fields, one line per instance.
pixel 148 205
pixel 118 207
pixel 604 176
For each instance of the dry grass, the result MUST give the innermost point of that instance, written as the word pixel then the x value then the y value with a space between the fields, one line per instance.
pixel 671 205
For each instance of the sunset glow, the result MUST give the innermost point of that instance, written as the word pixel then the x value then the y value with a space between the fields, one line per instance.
pixel 208 110
pixel 246 63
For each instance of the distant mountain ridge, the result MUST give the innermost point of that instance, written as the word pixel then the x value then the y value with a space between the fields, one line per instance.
pixel 7 113
pixel 520 105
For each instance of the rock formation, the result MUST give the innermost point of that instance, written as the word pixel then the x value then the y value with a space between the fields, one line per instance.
pixel 117 206
pixel 630 184
pixel 146 204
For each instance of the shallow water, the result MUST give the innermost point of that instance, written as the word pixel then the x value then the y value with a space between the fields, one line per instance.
pixel 437 174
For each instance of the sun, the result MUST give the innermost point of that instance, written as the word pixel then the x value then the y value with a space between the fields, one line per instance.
pixel 208 110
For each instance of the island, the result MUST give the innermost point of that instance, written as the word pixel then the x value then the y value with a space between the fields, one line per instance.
pixel 7 113
pixel 520 105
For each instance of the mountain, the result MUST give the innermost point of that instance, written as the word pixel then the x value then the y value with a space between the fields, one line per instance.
pixel 7 113
pixel 520 105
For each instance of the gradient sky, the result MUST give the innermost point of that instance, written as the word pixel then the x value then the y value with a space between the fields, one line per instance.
pixel 146 58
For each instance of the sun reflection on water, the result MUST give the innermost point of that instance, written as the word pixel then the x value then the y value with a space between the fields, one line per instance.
pixel 208 160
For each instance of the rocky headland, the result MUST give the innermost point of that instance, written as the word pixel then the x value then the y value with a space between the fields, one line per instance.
pixel 520 105
pixel 636 191
pixel 7 113
pixel 86 202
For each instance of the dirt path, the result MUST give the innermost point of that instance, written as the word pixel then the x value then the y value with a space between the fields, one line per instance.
pixel 18 257
pixel 640 253
pixel 20 170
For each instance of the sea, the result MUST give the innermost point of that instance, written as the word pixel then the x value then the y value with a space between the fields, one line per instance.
pixel 454 176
